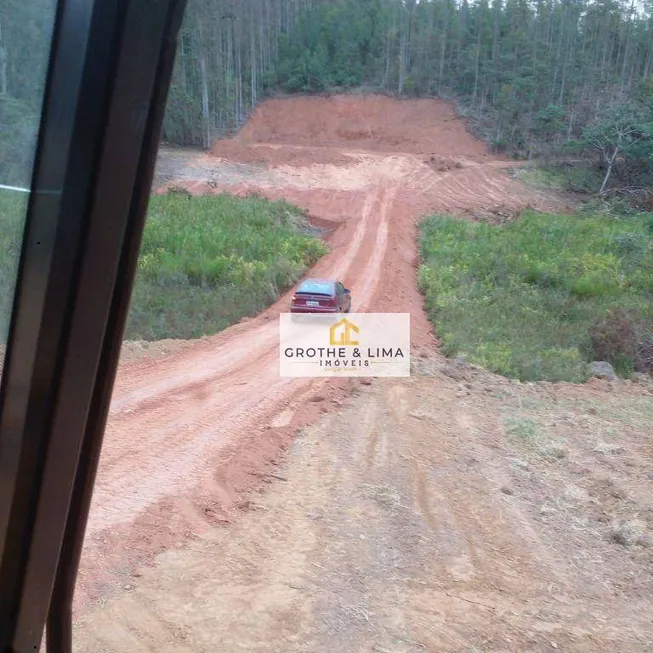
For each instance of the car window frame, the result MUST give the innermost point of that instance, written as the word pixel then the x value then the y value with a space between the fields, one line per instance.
pixel 108 75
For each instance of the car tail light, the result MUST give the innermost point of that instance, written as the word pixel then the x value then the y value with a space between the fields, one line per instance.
pixel 330 302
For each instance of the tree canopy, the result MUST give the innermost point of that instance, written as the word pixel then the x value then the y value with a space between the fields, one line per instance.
pixel 533 76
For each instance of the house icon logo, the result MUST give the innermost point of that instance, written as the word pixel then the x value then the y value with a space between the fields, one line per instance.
pixel 342 333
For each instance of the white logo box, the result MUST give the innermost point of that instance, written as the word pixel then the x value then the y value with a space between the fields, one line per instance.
pixel 344 345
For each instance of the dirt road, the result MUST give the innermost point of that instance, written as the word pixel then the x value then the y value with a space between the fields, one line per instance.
pixel 420 518
pixel 188 432
pixel 194 432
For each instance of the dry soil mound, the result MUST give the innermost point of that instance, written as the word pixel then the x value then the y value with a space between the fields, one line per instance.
pixel 356 122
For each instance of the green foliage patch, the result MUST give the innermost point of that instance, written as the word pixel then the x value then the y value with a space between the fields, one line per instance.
pixel 520 299
pixel 207 262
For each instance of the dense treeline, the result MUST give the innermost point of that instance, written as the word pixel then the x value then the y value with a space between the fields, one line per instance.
pixel 227 50
pixel 536 78
pixel 523 65
pixel 510 57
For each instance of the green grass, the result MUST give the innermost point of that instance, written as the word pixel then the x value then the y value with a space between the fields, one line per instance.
pixel 519 299
pixel 579 177
pixel 13 207
pixel 540 177
pixel 522 428
pixel 207 262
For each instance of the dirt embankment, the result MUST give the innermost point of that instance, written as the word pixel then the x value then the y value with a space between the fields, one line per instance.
pixel 196 426
pixel 307 130
pixel 368 122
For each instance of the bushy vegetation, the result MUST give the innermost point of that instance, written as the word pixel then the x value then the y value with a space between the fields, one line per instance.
pixel 333 45
pixel 522 299
pixel 207 262
pixel 625 339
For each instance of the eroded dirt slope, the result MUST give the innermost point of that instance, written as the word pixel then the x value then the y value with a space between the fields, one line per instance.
pixel 192 429
pixel 364 122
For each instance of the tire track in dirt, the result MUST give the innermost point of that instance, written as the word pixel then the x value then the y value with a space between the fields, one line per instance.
pixel 220 355
pixel 201 425
pixel 390 533
pixel 230 389
pixel 366 287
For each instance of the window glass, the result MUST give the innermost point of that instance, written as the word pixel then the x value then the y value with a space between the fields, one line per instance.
pixel 25 36
pixel 321 288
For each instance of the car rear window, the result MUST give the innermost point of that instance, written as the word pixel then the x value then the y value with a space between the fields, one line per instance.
pixel 316 287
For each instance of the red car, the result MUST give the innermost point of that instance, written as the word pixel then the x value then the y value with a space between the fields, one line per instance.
pixel 321 296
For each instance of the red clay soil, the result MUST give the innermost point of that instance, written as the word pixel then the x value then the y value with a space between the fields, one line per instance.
pixel 274 155
pixel 367 122
pixel 190 433
pixel 351 123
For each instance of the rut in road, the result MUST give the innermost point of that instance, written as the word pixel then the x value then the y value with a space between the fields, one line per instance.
pixel 188 433
pixel 210 397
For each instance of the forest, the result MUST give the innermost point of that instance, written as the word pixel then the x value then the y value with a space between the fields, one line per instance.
pixel 559 80
pixel 551 79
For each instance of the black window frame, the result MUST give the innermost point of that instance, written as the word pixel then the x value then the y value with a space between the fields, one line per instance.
pixel 108 77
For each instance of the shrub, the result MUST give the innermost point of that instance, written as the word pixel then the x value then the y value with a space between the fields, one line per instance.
pixel 624 340
pixel 644 347
pixel 631 243
pixel 613 340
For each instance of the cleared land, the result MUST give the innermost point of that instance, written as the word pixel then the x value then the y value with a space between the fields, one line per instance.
pixel 454 511
pixel 434 514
